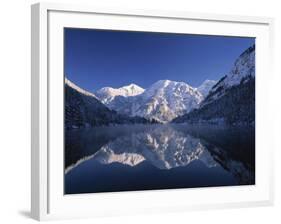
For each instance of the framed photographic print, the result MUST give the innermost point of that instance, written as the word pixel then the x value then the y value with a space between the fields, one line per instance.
pixel 148 111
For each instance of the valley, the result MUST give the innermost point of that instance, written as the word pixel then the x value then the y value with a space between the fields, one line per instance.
pixel 229 101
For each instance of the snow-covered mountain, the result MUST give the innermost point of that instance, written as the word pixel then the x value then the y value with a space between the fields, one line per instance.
pixel 162 101
pixel 242 71
pixel 206 86
pixel 83 109
pixel 232 99
pixel 166 99
pixel 107 94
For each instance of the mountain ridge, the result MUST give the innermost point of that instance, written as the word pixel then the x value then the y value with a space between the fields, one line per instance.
pixel 206 86
pixel 232 99
pixel 162 101
pixel 83 109
pixel 176 101
pixel 107 94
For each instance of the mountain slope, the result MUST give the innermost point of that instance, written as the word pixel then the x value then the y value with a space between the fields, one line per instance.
pixel 206 86
pixel 163 101
pixel 242 71
pixel 232 99
pixel 83 109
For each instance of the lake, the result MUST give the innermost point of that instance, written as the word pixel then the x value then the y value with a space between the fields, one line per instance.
pixel 150 157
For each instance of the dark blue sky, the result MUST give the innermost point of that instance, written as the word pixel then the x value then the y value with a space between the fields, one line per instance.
pixel 99 58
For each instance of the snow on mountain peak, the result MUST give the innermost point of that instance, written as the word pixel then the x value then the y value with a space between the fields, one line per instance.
pixel 242 71
pixel 207 82
pixel 107 94
pixel 243 67
pixel 171 88
pixel 168 99
pixel 206 86
pixel 164 82
pixel 132 90
pixel 162 101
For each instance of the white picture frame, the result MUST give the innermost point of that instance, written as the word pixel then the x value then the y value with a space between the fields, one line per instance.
pixel 48 201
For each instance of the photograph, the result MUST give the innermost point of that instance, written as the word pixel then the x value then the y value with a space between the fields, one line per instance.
pixel 156 111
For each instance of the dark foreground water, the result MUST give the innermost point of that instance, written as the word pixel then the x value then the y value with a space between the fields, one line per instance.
pixel 146 157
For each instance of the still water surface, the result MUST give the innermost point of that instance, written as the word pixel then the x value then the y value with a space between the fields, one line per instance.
pixel 147 157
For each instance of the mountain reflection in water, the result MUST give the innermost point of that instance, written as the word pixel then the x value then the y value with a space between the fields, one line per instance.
pixel 146 157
